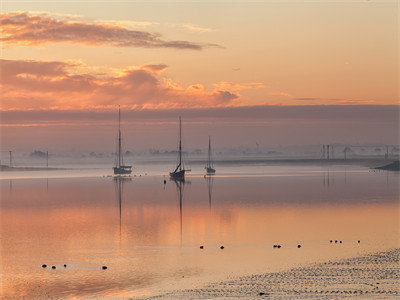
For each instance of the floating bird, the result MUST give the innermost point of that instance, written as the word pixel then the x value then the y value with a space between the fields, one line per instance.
pixel 65 266
pixel 104 267
pixel 340 242
pixel 330 241
pixel 222 247
pixel 279 246
pixel 298 246
pixel 53 267
pixel 44 266
pixel 335 241
pixel 359 241
pixel 201 247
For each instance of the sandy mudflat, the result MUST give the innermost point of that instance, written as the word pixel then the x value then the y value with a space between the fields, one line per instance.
pixel 376 275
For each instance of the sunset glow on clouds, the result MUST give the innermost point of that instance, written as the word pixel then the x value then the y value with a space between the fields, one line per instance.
pixel 31 85
pixel 60 85
pixel 165 60
pixel 241 70
pixel 22 28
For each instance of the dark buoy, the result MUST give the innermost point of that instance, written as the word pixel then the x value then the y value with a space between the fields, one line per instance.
pixel 335 241
pixel 53 267
pixel 275 246
pixel 261 294
pixel 340 242
pixel 279 246
pixel 65 266
pixel 330 241
pixel 298 246
pixel 104 267
pixel 201 247
pixel 222 247
pixel 44 266
pixel 165 182
pixel 358 241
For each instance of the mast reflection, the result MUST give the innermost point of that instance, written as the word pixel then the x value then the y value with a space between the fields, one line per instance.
pixel 180 187
pixel 210 182
pixel 119 182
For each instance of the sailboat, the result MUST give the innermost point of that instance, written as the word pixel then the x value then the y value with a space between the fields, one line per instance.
pixel 179 172
pixel 209 166
pixel 120 168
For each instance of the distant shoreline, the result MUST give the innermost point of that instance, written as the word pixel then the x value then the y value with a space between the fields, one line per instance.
pixel 12 169
pixel 375 275
pixel 367 162
pixel 394 166
pixel 374 163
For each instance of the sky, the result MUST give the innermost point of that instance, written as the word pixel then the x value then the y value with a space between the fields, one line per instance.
pixel 191 58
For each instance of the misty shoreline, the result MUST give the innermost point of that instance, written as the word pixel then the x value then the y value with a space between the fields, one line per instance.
pixel 373 163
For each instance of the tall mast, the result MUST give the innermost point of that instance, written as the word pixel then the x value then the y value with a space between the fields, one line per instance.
pixel 119 136
pixel 209 151
pixel 180 144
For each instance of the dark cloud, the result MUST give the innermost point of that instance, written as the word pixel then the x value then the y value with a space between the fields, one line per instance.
pixel 34 30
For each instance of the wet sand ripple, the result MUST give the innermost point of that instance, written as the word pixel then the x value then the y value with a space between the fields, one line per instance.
pixel 376 275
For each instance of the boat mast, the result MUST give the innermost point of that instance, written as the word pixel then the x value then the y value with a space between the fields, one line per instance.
pixel 119 137
pixel 180 144
pixel 209 152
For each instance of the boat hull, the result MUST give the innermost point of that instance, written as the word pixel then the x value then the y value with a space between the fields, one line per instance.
pixel 122 170
pixel 210 170
pixel 178 175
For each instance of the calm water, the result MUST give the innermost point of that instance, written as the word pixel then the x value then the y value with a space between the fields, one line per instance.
pixel 148 234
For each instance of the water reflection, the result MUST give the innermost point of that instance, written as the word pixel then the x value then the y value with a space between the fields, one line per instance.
pixel 327 180
pixel 119 182
pixel 180 187
pixel 77 222
pixel 210 183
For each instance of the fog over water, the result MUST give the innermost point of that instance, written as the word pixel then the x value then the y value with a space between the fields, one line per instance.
pixel 238 128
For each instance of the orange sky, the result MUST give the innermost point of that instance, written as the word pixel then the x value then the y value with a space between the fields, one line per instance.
pixel 197 60
pixel 190 55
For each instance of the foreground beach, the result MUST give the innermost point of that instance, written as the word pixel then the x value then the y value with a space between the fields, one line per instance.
pixel 376 275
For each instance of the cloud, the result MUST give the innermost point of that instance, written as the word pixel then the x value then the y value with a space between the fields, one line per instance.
pixel 28 85
pixel 337 101
pixel 196 28
pixel 128 24
pixel 154 68
pixel 239 86
pixel 307 99
pixel 26 29
pixel 284 94
pixel 191 27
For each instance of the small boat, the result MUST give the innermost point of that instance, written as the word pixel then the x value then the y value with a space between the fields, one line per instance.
pixel 210 165
pixel 120 168
pixel 179 172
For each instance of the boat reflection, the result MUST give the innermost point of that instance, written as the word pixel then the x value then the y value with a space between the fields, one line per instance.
pixel 210 183
pixel 180 187
pixel 119 182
